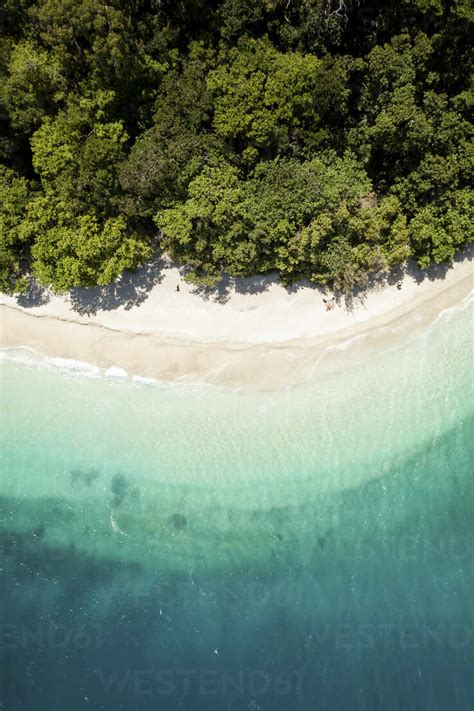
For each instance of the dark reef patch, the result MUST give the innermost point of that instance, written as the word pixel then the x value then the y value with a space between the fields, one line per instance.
pixel 120 489
pixel 84 478
pixel 178 521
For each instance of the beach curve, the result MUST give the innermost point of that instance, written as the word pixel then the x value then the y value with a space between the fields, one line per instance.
pixel 264 338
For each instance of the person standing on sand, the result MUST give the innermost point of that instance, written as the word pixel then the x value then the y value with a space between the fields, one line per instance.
pixel 177 287
pixel 330 303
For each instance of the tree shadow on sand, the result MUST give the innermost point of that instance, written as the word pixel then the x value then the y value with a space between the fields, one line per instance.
pixel 222 292
pixel 35 295
pixel 132 289
pixel 261 283
pixel 433 273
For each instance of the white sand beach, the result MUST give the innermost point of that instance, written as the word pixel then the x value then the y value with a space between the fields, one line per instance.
pixel 248 333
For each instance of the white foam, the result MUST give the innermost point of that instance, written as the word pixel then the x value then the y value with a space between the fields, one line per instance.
pixel 145 381
pixel 24 355
pixel 115 372
pixel 28 356
pixel 76 365
pixel 20 354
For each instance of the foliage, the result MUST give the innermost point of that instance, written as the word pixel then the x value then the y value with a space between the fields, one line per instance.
pixel 80 251
pixel 34 87
pixel 318 138
pixel 304 219
pixel 78 152
pixel 438 231
pixel 268 102
pixel 14 197
pixel 167 156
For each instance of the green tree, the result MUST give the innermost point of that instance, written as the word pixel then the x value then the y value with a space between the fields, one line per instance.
pixel 14 198
pixel 438 231
pixel 79 236
pixel 71 250
pixel 280 218
pixel 98 49
pixel 33 86
pixel 164 158
pixel 77 154
pixel 394 130
pixel 268 102
pixel 319 138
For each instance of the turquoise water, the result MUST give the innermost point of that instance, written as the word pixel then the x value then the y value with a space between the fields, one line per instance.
pixel 194 548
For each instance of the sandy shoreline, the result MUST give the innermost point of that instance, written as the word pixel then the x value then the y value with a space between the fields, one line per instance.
pixel 254 334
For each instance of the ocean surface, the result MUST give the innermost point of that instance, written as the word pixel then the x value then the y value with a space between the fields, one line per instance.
pixel 310 549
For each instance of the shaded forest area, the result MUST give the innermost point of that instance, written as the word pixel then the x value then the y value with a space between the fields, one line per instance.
pixel 325 139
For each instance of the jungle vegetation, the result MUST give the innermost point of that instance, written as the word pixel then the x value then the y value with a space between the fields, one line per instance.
pixel 325 139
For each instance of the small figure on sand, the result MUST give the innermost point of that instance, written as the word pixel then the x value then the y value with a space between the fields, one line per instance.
pixel 330 303
pixel 177 287
pixel 399 285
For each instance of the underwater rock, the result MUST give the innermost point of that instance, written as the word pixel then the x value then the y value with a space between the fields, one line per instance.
pixel 120 489
pixel 85 478
pixel 178 521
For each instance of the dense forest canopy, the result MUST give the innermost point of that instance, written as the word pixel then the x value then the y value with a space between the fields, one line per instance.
pixel 324 139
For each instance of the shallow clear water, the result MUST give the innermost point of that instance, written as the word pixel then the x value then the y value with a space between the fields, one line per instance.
pixel 190 548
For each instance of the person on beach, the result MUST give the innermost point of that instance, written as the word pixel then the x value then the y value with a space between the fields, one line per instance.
pixel 177 287
pixel 399 285
pixel 330 303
